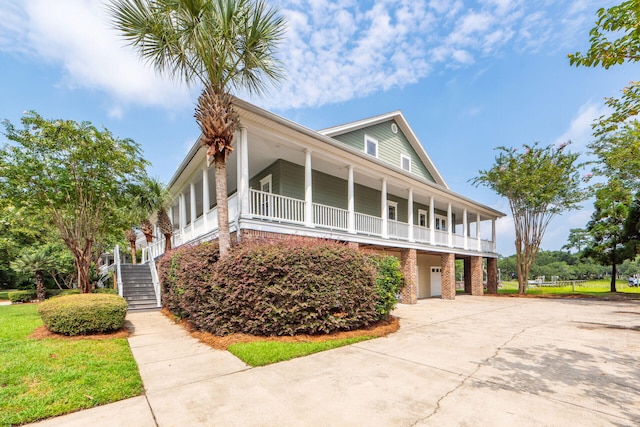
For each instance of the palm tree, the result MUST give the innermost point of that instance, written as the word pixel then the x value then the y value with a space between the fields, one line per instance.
pixel 130 234
pixel 153 196
pixel 223 45
pixel 166 228
pixel 36 263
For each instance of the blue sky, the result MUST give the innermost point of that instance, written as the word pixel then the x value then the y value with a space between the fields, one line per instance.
pixel 468 75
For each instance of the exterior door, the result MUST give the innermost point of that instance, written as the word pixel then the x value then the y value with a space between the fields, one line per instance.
pixel 436 281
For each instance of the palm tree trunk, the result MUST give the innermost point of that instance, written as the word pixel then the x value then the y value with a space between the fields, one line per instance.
pixel 167 243
pixel 224 237
pixel 133 252
pixel 40 290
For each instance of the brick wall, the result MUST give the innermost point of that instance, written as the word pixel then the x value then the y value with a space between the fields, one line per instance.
pixel 409 264
pixel 448 264
pixel 492 275
pixel 476 276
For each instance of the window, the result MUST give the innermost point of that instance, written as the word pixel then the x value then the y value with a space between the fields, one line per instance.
pixel 441 223
pixel 371 146
pixel 405 162
pixel 422 218
pixel 265 184
pixel 392 208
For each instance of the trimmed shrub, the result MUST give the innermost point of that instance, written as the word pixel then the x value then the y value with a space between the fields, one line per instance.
pixel 22 296
pixel 389 282
pixel 61 292
pixel 185 274
pixel 287 287
pixel 109 291
pixel 83 314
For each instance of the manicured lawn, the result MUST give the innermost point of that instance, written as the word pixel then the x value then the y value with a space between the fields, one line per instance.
pixel 593 287
pixel 260 353
pixel 53 376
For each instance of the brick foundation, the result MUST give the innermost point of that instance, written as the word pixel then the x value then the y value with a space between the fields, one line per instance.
pixel 492 275
pixel 477 287
pixel 409 264
pixel 448 264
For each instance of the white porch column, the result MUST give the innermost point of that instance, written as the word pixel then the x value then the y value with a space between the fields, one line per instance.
pixel 243 173
pixel 384 210
pixel 192 194
pixel 205 196
pixel 432 222
pixel 449 226
pixel 182 214
pixel 308 190
pixel 478 232
pixel 465 228
pixel 351 219
pixel 410 215
pixel 493 234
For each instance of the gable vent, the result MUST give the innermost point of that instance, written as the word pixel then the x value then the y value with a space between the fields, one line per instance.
pixel 394 128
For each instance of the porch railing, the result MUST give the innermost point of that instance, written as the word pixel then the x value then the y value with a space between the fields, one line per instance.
pixel 330 217
pixel 421 234
pixel 273 206
pixel 399 230
pixel 368 224
pixel 155 280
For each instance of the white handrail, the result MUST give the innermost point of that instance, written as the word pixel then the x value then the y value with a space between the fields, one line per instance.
pixel 330 217
pixel 274 206
pixel 368 224
pixel 116 259
pixel 155 280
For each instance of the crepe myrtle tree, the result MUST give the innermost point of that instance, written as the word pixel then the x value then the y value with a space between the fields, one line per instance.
pixel 76 176
pixel 224 46
pixel 615 40
pixel 540 183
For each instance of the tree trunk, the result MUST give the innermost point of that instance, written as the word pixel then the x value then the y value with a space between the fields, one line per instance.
pixel 133 252
pixel 614 273
pixel 40 290
pixel 82 262
pixel 224 237
pixel 167 243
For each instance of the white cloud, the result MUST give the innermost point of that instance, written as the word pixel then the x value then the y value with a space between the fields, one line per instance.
pixel 334 50
pixel 580 131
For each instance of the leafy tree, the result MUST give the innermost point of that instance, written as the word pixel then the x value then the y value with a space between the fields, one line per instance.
pixel 618 155
pixel 577 239
pixel 224 45
pixel 615 40
pixel 79 177
pixel 539 183
pixel 606 226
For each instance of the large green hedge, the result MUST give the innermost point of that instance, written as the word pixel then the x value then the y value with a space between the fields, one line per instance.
pixel 272 287
pixel 83 313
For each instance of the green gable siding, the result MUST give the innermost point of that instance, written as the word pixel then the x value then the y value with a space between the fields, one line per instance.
pixel 274 170
pixel 329 190
pixel 390 146
pixel 403 207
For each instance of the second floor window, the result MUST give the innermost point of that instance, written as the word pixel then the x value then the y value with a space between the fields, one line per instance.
pixel 371 146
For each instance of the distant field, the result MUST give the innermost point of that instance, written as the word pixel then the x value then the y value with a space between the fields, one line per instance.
pixel 596 287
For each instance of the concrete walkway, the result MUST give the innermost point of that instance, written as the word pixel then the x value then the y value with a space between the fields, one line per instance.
pixel 475 361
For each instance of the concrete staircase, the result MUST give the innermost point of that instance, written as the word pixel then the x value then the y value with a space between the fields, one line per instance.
pixel 137 286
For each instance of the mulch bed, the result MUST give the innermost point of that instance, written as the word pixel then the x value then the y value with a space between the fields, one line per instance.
pixel 380 329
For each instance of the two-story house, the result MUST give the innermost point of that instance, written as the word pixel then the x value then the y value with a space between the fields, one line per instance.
pixel 369 183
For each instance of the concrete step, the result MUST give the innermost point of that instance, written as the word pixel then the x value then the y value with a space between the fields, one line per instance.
pixel 143 306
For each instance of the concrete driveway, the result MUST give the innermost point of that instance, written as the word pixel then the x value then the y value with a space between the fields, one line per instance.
pixel 475 361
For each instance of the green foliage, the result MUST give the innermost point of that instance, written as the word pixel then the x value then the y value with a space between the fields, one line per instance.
pixel 540 183
pixel 50 377
pixel 389 282
pixel 76 175
pixel 83 314
pixel 281 287
pixel 109 291
pixel 615 40
pixel 22 296
pixel 261 353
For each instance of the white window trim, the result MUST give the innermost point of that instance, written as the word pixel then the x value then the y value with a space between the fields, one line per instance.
pixel 442 218
pixel 265 180
pixel 394 205
pixel 402 158
pixel 368 138
pixel 426 218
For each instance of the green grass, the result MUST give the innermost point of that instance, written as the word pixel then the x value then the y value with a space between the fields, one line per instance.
pixel 592 287
pixel 260 353
pixel 4 294
pixel 53 376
